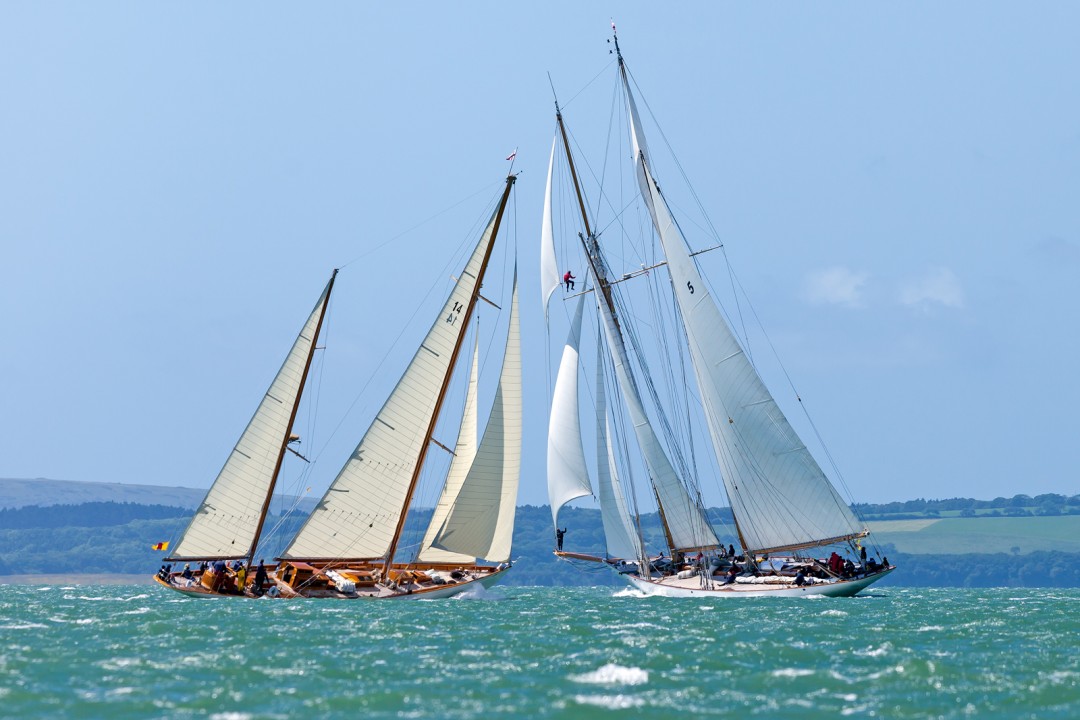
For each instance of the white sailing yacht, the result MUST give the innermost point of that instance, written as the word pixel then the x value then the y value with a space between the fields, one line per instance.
pixel 786 511
pixel 349 545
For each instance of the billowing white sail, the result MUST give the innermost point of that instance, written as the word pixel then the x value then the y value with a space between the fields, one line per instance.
pixel 549 265
pixel 227 521
pixel 621 538
pixel 481 522
pixel 779 495
pixel 464 452
pixel 358 516
pixel 685 519
pixel 567 474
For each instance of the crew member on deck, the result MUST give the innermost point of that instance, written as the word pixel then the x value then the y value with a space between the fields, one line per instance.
pixel 559 536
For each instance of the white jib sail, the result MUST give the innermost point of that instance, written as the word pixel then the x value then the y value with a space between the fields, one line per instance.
pixel 620 536
pixel 464 452
pixel 225 524
pixel 567 474
pixel 685 519
pixel 481 521
pixel 358 515
pixel 549 267
pixel 779 495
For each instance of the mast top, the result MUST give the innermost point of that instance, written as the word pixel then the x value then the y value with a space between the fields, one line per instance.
pixel 615 37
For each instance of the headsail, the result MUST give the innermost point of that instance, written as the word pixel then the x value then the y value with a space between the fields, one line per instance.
pixel 549 267
pixel 567 474
pixel 481 521
pixel 360 515
pixel 685 518
pixel 621 538
pixel 464 452
pixel 228 520
pixel 779 495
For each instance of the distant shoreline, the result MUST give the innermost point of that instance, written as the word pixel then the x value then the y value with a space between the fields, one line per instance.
pixel 77 579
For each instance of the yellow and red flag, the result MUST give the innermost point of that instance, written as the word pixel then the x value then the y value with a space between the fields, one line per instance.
pixel 161 546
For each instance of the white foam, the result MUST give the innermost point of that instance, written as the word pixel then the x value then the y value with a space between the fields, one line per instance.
pixel 792 672
pixel 612 674
pixel 611 702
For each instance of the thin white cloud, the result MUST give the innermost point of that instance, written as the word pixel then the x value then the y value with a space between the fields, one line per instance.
pixel 938 286
pixel 836 286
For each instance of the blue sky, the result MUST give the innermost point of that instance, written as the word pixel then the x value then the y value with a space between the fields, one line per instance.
pixel 896 186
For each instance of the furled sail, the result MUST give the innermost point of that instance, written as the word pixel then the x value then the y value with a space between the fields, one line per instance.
pixel 227 521
pixel 464 452
pixel 622 539
pixel 779 495
pixel 685 518
pixel 481 521
pixel 567 474
pixel 358 516
pixel 549 267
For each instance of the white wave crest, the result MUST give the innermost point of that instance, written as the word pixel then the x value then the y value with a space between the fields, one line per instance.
pixel 610 702
pixel 612 674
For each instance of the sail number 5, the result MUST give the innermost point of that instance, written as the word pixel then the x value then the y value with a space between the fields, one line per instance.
pixel 690 287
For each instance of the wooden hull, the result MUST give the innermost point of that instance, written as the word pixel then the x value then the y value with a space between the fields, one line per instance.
pixel 691 587
pixel 481 577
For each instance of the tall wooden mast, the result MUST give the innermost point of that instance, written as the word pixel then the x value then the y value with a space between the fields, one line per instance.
pixel 415 479
pixel 292 418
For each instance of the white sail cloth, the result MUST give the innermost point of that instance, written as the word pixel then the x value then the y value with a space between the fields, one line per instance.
pixel 567 474
pixel 464 452
pixel 620 536
pixel 226 522
pixel 358 515
pixel 481 521
pixel 685 518
pixel 549 268
pixel 779 495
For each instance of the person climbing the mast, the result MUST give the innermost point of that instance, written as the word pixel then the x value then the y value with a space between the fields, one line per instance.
pixel 569 280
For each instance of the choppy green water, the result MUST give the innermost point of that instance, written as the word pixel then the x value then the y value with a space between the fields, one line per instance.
pixel 142 652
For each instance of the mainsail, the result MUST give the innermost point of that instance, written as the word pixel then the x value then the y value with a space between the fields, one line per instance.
pixel 481 521
pixel 360 516
pixel 549 266
pixel 779 495
pixel 567 474
pixel 229 520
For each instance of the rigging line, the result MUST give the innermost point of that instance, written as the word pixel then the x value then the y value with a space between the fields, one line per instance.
pixel 454 261
pixel 418 225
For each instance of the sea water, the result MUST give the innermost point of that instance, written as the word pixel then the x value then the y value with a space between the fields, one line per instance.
pixel 144 652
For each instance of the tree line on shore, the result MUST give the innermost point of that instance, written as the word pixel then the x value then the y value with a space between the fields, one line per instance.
pixel 118 537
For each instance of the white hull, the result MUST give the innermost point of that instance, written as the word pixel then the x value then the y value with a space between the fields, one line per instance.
pixel 671 587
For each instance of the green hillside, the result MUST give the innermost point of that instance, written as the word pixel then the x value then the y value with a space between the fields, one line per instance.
pixel 961 536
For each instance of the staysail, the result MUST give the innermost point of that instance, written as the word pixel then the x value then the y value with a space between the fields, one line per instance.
pixel 228 520
pixel 360 515
pixel 464 452
pixel 567 474
pixel 621 538
pixel 685 518
pixel 779 495
pixel 481 522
